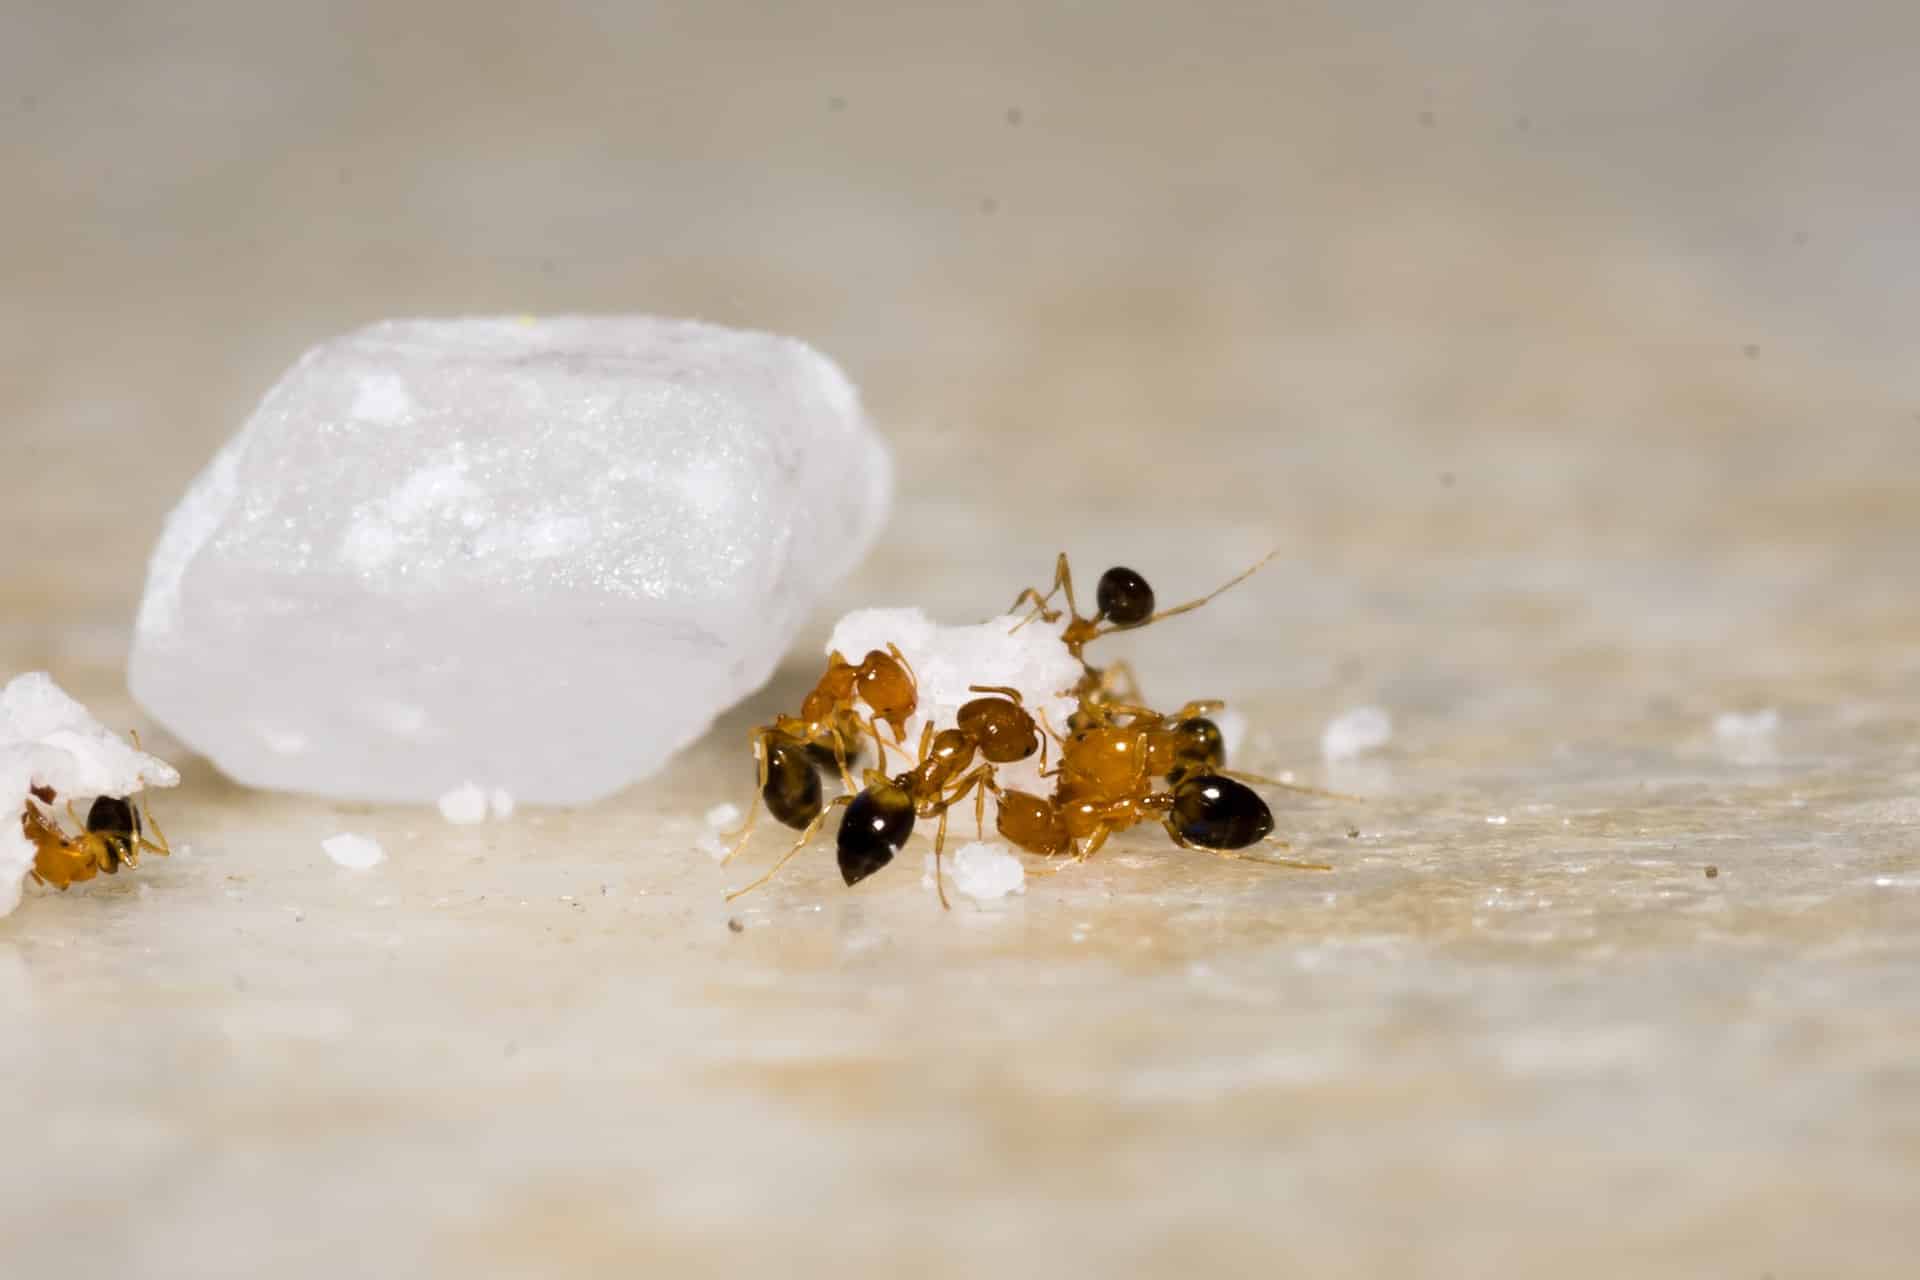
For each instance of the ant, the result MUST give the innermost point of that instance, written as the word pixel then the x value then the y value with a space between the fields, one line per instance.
pixel 1105 785
pixel 110 837
pixel 788 752
pixel 880 817
pixel 1199 809
pixel 1124 601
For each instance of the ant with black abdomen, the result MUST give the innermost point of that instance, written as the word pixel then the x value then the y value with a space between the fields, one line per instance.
pixel 1104 784
pixel 1123 601
pixel 788 752
pixel 111 837
pixel 880 817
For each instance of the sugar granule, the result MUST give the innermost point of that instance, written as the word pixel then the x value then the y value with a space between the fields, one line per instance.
pixel 983 870
pixel 356 853
pixel 1354 732
pixel 465 805
pixel 1739 728
pixel 722 816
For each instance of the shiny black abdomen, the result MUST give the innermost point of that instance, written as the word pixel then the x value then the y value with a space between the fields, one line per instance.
pixel 1218 813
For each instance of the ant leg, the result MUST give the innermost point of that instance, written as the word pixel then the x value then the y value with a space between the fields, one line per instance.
pixel 163 848
pixel 1005 691
pixel 1293 864
pixel 1117 680
pixel 980 811
pixel 812 829
pixel 1094 842
pixel 1131 709
pixel 873 727
pixel 741 836
pixel 1237 856
pixel 939 848
pixel 1261 780
pixel 1191 605
pixel 1062 577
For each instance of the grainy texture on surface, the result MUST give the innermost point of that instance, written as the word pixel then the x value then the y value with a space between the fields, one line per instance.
pixel 1561 353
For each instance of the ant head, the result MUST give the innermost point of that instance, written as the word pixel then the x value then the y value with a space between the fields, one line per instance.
pixel 1124 597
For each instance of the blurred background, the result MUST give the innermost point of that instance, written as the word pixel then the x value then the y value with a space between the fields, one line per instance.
pixel 1565 350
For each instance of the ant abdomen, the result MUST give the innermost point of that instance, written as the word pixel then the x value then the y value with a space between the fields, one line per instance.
pixel 1123 597
pixel 792 791
pixel 877 825
pixel 117 825
pixel 1217 813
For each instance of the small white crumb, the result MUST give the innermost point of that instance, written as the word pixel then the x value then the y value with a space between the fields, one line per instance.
pixel 723 816
pixel 712 845
pixel 1497 819
pixel 1233 731
pixel 464 805
pixel 984 870
pixel 357 853
pixel 1737 728
pixel 500 803
pixel 1353 732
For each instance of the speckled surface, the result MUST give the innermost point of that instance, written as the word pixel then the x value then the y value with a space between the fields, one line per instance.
pixel 1581 415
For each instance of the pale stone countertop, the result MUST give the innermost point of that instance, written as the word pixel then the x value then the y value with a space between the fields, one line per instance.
pixel 1565 367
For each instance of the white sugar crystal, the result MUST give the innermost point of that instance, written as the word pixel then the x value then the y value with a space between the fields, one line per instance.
pixel 500 804
pixel 984 871
pixel 1355 732
pixel 946 660
pixel 1748 738
pixel 464 805
pixel 1741 729
pixel 540 552
pixel 356 853
pixel 49 740
pixel 723 816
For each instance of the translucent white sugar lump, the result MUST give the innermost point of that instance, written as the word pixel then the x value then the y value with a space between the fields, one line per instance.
pixel 542 553
pixel 49 740
pixel 355 853
pixel 985 870
pixel 946 660
pixel 1355 732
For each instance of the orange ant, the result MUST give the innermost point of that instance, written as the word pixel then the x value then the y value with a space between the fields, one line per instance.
pixel 1199 809
pixel 1123 601
pixel 1105 785
pixel 110 837
pixel 787 751
pixel 880 817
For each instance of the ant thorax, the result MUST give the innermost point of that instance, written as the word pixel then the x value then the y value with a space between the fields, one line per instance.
pixel 951 663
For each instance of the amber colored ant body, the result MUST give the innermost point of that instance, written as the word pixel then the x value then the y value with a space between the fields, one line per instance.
pixel 1123 601
pixel 111 837
pixel 1105 785
pixel 880 817
pixel 789 752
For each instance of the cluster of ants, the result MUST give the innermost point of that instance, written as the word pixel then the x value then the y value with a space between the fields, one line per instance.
pixel 1118 763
